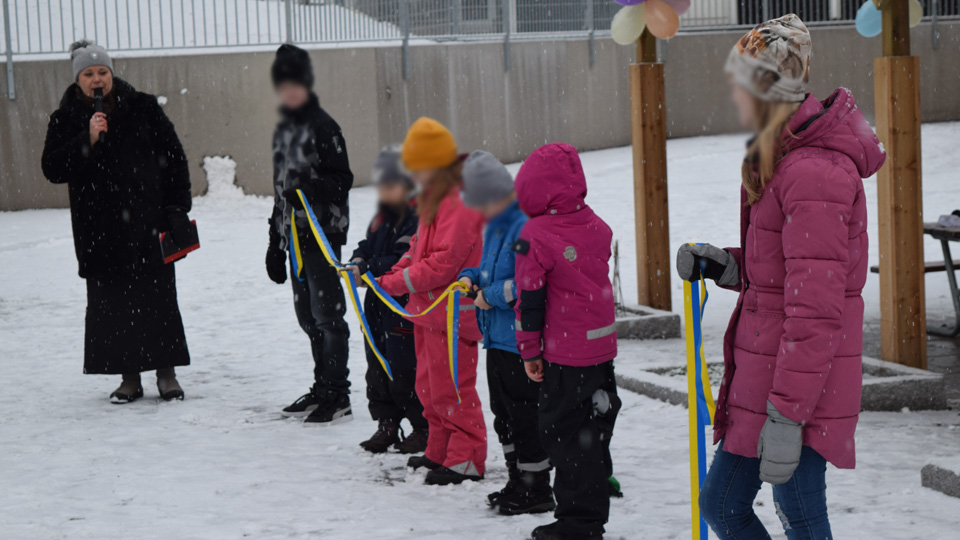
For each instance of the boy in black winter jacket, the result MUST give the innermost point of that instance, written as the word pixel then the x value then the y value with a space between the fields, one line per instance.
pixel 388 239
pixel 309 154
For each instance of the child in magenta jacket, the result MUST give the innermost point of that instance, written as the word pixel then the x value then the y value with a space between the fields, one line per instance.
pixel 790 396
pixel 448 240
pixel 566 336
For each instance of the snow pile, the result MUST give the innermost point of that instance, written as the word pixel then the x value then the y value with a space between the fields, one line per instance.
pixel 221 178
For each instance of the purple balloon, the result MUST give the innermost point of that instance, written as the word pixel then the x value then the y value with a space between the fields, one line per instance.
pixel 680 6
pixel 635 2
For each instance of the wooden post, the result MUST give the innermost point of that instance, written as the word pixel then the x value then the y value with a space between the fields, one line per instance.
pixel 649 130
pixel 896 88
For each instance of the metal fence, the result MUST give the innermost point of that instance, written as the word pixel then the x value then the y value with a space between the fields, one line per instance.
pixel 49 26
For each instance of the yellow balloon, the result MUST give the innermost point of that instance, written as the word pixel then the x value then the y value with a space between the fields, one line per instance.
pixel 916 12
pixel 627 24
pixel 662 20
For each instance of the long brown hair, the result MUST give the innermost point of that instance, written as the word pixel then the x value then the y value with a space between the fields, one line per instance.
pixel 436 190
pixel 766 149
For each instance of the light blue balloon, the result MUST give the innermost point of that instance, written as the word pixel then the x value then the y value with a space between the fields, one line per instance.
pixel 869 20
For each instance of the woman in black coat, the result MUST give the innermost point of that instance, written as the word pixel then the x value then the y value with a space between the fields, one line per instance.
pixel 126 187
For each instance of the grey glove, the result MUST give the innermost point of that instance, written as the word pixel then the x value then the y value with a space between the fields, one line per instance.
pixel 781 441
pixel 720 265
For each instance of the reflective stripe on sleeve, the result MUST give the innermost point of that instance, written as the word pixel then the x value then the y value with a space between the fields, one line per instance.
pixel 601 332
pixel 406 279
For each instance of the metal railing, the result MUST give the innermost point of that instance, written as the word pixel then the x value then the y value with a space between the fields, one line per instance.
pixel 34 27
pixel 49 26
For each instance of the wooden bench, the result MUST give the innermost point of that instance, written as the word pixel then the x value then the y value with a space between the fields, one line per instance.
pixel 932 266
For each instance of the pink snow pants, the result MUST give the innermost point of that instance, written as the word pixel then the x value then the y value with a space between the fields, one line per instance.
pixel 458 434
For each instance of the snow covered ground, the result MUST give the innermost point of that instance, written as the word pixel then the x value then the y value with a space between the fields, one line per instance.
pixel 224 465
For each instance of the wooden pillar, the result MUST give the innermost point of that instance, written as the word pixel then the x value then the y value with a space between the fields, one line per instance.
pixel 896 87
pixel 649 129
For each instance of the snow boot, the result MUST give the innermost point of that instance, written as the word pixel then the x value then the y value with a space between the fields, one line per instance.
pixel 555 531
pixel 446 477
pixel 416 462
pixel 167 384
pixel 387 435
pixel 332 410
pixel 415 443
pixel 303 406
pixel 532 496
pixel 513 480
pixel 129 390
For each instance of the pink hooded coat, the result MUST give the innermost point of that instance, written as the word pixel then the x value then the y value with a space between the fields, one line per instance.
pixel 796 335
pixel 565 311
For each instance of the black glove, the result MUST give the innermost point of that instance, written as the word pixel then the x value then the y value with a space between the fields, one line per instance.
pixel 179 226
pixel 276 258
pixel 277 265
pixel 293 198
pixel 719 264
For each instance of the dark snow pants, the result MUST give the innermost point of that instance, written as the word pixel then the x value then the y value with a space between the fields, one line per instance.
pixel 321 306
pixel 577 439
pixel 514 399
pixel 396 399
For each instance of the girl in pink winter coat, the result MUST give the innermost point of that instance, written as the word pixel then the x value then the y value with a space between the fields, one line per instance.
pixel 790 396
pixel 566 336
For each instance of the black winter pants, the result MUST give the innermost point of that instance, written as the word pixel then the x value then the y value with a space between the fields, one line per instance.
pixel 577 439
pixel 321 306
pixel 513 400
pixel 396 399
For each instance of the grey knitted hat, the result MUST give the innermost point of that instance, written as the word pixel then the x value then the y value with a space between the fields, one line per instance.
pixel 87 53
pixel 485 180
pixel 388 169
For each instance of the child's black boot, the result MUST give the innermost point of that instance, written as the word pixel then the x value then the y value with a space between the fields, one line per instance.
pixel 415 443
pixel 556 531
pixel 533 495
pixel 513 481
pixel 334 408
pixel 445 477
pixel 387 435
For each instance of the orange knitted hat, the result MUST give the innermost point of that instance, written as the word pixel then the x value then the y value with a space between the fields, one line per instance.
pixel 428 145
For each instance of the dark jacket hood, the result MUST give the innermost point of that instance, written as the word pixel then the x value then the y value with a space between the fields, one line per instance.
pixel 837 124
pixel 551 181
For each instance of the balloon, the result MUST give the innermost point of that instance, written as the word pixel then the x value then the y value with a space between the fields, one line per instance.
pixel 662 20
pixel 680 6
pixel 627 24
pixel 629 2
pixel 916 12
pixel 869 20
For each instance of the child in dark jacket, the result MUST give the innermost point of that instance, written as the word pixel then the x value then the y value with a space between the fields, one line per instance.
pixel 388 238
pixel 567 337
pixel 488 187
pixel 310 154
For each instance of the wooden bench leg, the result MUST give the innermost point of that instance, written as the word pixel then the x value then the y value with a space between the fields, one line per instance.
pixel 953 331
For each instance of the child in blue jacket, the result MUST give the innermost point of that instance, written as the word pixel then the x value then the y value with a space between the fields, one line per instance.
pixel 488 187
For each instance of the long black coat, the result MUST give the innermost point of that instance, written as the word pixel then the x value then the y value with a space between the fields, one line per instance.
pixel 121 190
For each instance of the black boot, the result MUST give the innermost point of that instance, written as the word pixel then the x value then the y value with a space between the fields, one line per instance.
pixel 387 435
pixel 512 482
pixel 556 531
pixel 167 384
pixel 416 462
pixel 303 406
pixel 129 390
pixel 532 496
pixel 334 408
pixel 415 443
pixel 445 477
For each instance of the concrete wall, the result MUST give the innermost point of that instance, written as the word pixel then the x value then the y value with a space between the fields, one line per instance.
pixel 549 94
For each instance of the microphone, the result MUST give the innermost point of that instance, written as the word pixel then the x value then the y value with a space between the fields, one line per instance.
pixel 98 106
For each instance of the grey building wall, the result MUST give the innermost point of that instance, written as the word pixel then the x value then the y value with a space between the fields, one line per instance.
pixel 550 93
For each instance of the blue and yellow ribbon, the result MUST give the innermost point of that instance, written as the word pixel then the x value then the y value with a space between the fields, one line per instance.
pixel 700 404
pixel 451 294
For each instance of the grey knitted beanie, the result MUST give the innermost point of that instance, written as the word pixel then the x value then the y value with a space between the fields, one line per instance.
pixel 87 53
pixel 485 180
pixel 389 170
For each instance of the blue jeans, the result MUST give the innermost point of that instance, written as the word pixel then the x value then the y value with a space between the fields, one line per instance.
pixel 732 484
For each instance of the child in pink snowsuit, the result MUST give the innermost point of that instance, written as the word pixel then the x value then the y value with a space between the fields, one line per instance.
pixel 448 240
pixel 566 336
